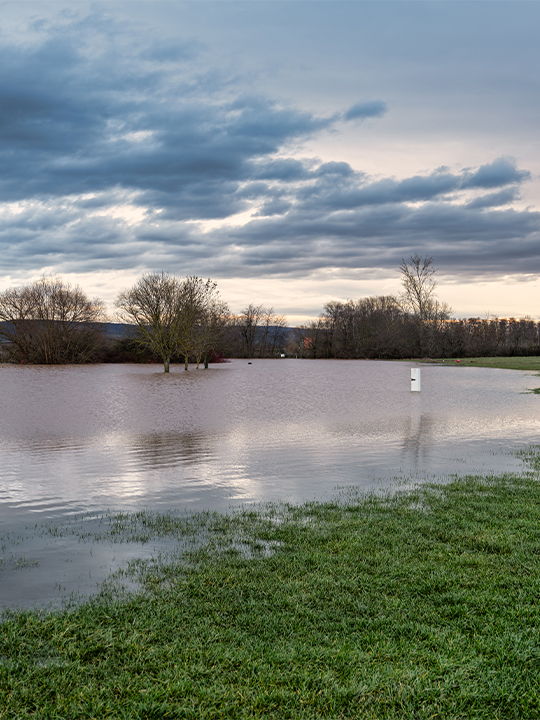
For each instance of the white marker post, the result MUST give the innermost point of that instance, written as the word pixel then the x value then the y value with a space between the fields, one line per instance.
pixel 415 380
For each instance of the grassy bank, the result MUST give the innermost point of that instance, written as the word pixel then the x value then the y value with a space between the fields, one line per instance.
pixel 419 605
pixel 508 363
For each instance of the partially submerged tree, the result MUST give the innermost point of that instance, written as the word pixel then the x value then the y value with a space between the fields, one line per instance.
pixel 154 305
pixel 173 316
pixel 50 322
pixel 204 317
pixel 212 329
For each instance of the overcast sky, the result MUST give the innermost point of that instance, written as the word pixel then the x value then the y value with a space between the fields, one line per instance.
pixel 294 152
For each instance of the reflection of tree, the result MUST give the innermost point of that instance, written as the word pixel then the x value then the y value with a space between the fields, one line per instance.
pixel 418 437
pixel 166 450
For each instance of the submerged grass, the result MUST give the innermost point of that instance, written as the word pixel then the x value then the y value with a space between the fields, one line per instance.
pixel 421 604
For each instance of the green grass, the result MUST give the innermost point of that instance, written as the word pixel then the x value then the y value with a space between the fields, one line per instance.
pixel 421 604
pixel 508 363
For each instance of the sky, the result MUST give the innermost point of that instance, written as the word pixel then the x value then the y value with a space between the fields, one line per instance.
pixel 293 151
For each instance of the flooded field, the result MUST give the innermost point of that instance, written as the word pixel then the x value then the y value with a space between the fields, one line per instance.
pixel 79 443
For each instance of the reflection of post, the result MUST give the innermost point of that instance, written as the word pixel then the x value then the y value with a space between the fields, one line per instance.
pixel 415 379
pixel 418 439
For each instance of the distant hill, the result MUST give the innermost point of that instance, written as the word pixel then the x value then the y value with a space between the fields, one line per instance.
pixel 114 330
pixel 117 331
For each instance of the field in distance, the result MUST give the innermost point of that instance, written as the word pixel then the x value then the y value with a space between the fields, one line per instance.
pixel 509 363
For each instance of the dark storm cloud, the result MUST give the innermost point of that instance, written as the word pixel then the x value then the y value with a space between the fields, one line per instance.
pixel 92 129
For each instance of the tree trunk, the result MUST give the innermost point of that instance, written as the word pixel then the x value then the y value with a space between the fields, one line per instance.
pixel 166 364
pixel 206 361
pixel 186 362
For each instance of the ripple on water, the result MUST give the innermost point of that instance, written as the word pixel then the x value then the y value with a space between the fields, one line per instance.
pixel 77 440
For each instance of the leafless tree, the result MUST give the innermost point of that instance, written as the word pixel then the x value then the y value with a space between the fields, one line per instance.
pixel 311 337
pixel 204 316
pixel 417 278
pixel 259 332
pixel 155 304
pixel 216 320
pixel 173 316
pixel 419 298
pixel 50 322
pixel 248 322
pixel 272 333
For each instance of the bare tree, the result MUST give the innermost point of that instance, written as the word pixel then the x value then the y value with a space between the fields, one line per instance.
pixel 215 321
pixel 204 316
pixel 279 334
pixel 311 340
pixel 417 278
pixel 155 304
pixel 259 332
pixel 248 323
pixel 173 316
pixel 50 322
pixel 271 334
pixel 419 299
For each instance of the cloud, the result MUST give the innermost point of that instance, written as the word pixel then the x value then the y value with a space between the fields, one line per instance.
pixel 363 110
pixel 170 51
pixel 69 125
pixel 354 190
pixel 500 172
pixel 284 169
pixel 274 207
pixel 141 159
pixel 503 197
pixel 342 169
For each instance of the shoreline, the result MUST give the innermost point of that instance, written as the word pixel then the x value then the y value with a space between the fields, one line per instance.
pixel 420 602
pixel 525 362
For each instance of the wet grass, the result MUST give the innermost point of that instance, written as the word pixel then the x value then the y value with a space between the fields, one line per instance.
pixel 508 363
pixel 418 604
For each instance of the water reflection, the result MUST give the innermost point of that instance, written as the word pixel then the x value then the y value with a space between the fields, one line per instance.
pixel 153 450
pixel 79 440
pixel 418 439
pixel 129 436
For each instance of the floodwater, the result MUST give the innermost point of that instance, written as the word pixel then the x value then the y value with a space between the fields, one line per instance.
pixel 80 441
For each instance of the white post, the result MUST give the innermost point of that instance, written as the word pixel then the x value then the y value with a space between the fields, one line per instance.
pixel 415 380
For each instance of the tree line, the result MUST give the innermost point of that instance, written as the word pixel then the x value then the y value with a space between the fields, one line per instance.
pixel 165 318
pixel 414 323
pixel 379 328
pixel 169 319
